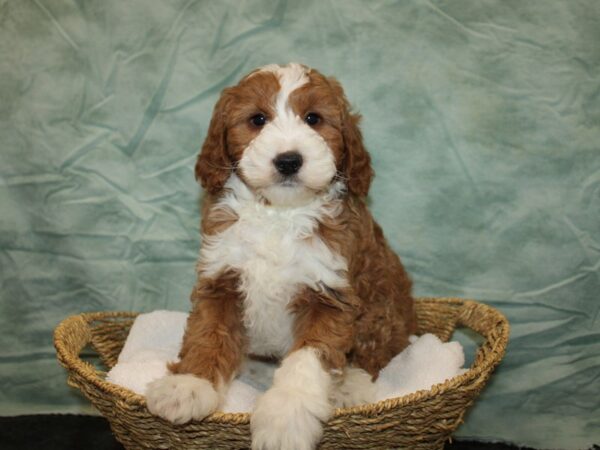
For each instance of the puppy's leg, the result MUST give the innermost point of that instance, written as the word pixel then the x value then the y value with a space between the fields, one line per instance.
pixel 212 351
pixel 290 415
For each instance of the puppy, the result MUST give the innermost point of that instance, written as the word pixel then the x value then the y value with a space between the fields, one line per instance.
pixel 292 264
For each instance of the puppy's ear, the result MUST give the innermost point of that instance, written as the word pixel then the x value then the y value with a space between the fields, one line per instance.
pixel 213 166
pixel 356 166
pixel 357 162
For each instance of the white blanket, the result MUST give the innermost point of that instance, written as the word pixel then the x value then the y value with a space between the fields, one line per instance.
pixel 155 339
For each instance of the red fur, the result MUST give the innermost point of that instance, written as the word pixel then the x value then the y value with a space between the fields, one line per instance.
pixel 365 324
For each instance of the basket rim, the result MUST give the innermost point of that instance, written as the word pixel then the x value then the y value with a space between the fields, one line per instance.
pixel 73 363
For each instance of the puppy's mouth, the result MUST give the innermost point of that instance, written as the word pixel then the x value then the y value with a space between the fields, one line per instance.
pixel 288 190
pixel 291 181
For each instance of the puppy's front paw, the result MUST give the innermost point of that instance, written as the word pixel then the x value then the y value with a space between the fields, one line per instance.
pixel 288 419
pixel 181 398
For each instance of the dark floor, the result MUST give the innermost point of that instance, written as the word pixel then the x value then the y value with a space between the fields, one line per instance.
pixel 70 432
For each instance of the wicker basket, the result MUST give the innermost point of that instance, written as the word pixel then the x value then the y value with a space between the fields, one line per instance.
pixel 423 420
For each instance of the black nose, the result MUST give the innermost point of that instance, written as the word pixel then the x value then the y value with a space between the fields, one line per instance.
pixel 288 163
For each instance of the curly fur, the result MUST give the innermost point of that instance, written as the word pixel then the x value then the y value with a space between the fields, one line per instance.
pixel 298 271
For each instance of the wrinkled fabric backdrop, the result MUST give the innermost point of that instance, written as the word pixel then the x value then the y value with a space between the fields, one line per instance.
pixel 483 119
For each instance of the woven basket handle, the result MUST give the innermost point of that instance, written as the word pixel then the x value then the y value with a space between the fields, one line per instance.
pixel 489 323
pixel 70 337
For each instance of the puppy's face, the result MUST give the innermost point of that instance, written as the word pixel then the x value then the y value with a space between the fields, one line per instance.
pixel 288 143
pixel 288 134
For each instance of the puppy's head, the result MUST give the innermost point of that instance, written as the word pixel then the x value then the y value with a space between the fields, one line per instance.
pixel 288 133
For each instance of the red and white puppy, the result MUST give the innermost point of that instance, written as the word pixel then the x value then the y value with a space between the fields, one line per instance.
pixel 292 264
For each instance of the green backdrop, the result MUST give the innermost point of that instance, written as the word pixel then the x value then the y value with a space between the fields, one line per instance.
pixel 483 119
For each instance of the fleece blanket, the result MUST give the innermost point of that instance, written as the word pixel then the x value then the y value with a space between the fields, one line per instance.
pixel 482 117
pixel 155 339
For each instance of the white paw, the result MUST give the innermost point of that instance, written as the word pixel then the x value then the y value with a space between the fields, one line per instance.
pixel 181 398
pixel 288 419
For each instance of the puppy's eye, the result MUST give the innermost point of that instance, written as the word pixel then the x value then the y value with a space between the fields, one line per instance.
pixel 312 119
pixel 258 120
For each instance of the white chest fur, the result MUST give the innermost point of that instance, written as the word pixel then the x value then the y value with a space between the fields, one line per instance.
pixel 276 252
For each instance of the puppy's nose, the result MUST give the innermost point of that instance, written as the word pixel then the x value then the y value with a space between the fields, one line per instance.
pixel 288 163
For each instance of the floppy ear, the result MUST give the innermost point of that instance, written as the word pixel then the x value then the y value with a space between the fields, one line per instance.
pixel 356 165
pixel 213 166
pixel 357 161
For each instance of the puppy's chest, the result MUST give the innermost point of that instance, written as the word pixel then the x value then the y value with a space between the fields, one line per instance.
pixel 276 253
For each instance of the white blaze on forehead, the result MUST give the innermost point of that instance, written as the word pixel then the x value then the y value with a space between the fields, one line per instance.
pixel 291 77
